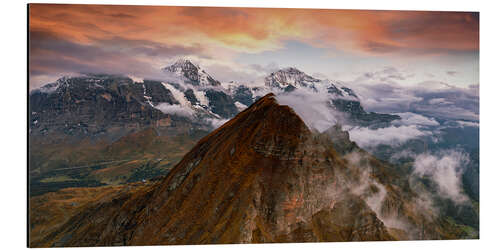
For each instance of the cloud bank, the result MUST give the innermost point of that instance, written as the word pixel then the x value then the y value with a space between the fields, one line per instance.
pixel 382 91
pixel 393 135
pixel 445 169
pixel 175 109
pixel 140 39
pixel 311 106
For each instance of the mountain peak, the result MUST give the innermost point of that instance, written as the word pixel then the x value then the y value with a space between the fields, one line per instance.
pixel 185 63
pixel 261 177
pixel 192 73
pixel 292 70
pixel 289 76
pixel 271 117
pixel 181 66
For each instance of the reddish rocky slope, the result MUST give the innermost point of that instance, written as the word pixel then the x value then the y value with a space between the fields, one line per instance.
pixel 261 177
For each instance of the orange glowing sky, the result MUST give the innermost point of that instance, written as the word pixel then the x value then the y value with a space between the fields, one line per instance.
pixel 236 42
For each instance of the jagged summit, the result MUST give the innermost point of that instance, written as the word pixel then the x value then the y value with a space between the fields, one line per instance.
pixel 265 126
pixel 290 76
pixel 272 120
pixel 191 72
pixel 292 70
pixel 51 87
pixel 181 65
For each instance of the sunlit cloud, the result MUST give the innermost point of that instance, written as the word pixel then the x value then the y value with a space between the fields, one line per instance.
pixel 152 35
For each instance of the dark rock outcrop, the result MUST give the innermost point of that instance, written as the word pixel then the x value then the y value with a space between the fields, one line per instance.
pixel 221 103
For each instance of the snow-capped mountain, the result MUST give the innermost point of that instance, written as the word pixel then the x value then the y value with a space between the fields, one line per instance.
pixel 338 97
pixel 289 77
pixel 187 95
pixel 191 73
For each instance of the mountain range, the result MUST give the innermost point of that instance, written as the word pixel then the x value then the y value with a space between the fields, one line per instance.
pixel 263 176
pixel 90 113
pixel 119 160
pixel 92 103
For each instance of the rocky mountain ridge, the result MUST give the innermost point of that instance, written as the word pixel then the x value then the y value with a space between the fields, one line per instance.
pixel 188 97
pixel 261 177
pixel 90 112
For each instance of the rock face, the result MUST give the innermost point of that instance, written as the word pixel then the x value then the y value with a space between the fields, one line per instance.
pixel 244 95
pixel 350 219
pixel 221 103
pixel 358 116
pixel 90 105
pixel 340 139
pixel 261 177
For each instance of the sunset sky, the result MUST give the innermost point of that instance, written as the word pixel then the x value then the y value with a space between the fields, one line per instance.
pixel 244 44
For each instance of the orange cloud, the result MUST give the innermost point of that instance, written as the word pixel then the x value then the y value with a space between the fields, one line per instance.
pixel 258 29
